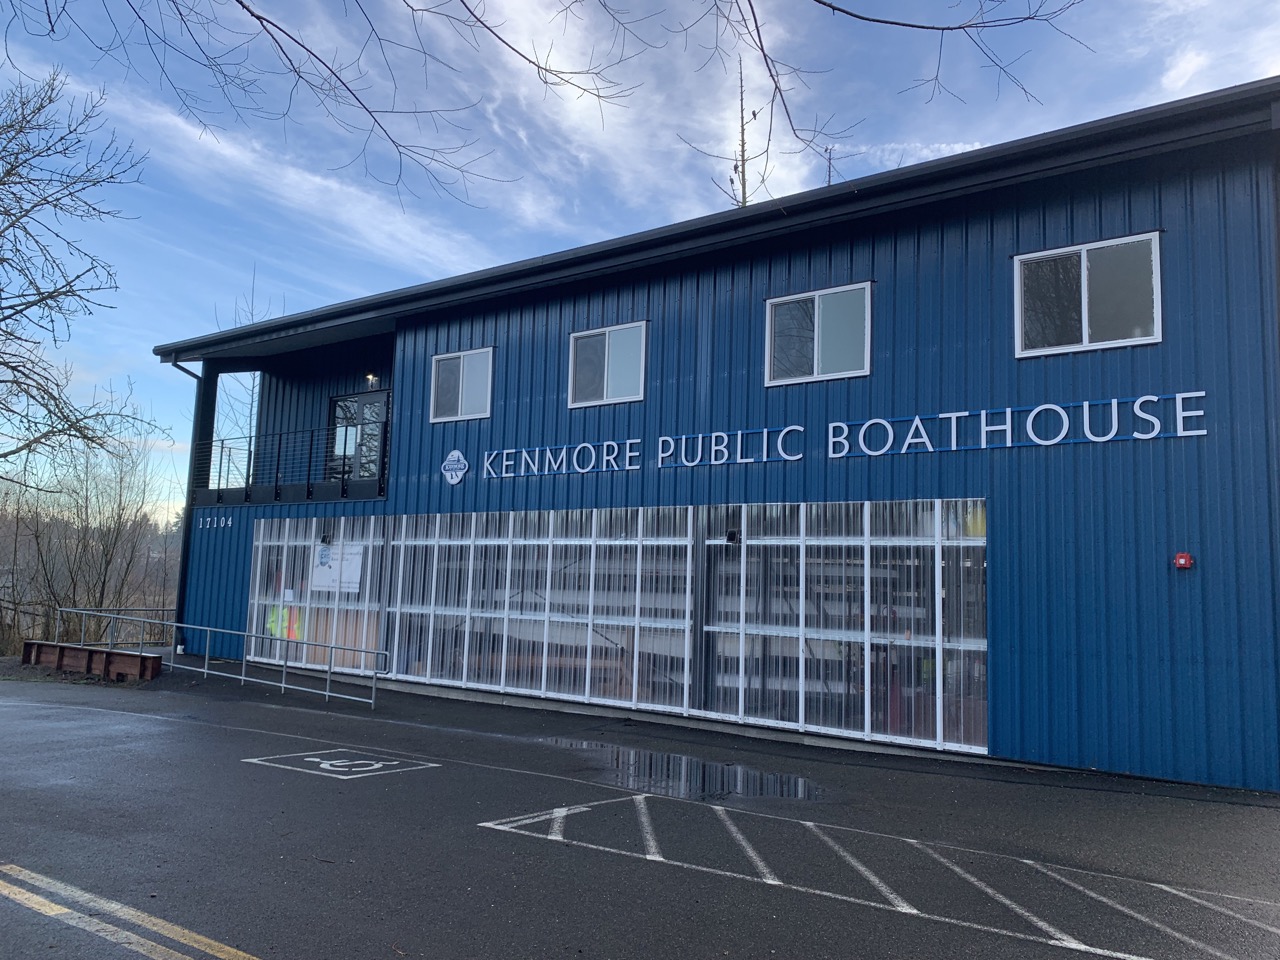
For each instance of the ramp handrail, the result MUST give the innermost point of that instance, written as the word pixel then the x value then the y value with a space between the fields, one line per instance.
pixel 303 666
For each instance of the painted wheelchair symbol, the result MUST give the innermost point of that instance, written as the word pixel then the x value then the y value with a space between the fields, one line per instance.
pixel 342 764
pixel 352 766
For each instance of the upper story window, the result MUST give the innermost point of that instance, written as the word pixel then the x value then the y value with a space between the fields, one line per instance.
pixel 607 366
pixel 460 385
pixel 1088 297
pixel 819 336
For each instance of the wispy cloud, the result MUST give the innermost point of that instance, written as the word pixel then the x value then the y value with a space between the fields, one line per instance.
pixel 239 171
pixel 1203 46
pixel 1182 68
pixel 888 156
pixel 563 151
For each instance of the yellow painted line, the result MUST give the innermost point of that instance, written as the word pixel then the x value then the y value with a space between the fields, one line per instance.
pixel 33 901
pixel 163 927
pixel 121 938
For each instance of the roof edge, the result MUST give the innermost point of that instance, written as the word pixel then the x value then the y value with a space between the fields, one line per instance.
pixel 1220 115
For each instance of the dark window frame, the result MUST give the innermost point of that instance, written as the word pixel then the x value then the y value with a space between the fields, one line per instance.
pixel 339 462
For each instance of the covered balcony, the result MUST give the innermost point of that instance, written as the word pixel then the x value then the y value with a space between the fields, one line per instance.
pixel 344 461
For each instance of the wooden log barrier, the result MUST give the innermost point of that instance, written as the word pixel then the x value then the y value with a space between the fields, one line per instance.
pixel 113 665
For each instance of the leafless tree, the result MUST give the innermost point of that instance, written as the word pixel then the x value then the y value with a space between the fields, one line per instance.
pixel 87 533
pixel 376 72
pixel 237 406
pixel 52 173
pixel 743 186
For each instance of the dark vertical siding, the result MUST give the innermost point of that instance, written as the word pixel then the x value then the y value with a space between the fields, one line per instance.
pixel 218 578
pixel 295 400
pixel 295 391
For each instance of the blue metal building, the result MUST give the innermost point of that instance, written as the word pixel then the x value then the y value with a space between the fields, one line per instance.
pixel 977 455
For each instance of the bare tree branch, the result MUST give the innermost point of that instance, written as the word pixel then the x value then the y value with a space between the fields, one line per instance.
pixel 52 176
pixel 372 70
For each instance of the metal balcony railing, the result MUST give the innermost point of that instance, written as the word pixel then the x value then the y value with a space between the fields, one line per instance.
pixel 327 463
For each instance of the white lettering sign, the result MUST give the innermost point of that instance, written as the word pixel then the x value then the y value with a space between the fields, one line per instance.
pixel 568 459
pixel 762 445
pixel 1045 425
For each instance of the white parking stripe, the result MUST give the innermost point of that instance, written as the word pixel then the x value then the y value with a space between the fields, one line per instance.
pixel 844 898
pixel 1132 913
pixel 757 861
pixel 885 890
pixel 557 823
pixel 998 897
pixel 1220 909
pixel 892 901
pixel 524 819
pixel 646 829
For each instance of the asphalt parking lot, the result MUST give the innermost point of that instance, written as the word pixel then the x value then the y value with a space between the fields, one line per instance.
pixel 202 819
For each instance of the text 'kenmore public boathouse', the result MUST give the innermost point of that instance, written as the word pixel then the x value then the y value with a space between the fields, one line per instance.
pixel 978 455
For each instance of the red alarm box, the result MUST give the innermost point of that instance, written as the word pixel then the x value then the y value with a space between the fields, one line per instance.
pixel 1183 561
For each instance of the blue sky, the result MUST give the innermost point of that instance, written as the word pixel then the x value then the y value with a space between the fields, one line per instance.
pixel 284 208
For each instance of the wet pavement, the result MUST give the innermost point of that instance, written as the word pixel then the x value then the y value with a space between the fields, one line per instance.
pixel 194 818
pixel 684 777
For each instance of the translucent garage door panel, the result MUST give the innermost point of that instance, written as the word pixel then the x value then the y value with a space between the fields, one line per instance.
pixel 863 619
pixel 964 644
pixel 567 658
pixel 613 649
pixel 833 684
pixel 772 678
pixel 661 673
pixel 524 658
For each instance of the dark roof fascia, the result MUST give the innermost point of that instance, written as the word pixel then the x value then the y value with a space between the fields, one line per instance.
pixel 1224 115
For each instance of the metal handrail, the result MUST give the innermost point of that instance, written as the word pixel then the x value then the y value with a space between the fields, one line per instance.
pixel 299 457
pixel 381 657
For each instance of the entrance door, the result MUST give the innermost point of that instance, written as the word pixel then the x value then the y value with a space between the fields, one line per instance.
pixel 359 435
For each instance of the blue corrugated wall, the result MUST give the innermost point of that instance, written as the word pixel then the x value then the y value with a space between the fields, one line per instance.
pixel 1101 653
pixel 219 566
pixel 297 397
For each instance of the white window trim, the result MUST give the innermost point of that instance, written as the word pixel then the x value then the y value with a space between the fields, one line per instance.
pixel 644 358
pixel 1081 248
pixel 488 406
pixel 817 336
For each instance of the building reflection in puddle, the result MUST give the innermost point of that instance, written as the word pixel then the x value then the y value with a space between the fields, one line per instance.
pixel 688 778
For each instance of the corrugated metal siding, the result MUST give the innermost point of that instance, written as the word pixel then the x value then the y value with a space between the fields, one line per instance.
pixel 295 391
pixel 1102 655
pixel 295 400
pixel 217 575
pixel 219 566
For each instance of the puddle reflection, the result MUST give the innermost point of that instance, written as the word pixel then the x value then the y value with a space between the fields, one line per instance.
pixel 688 778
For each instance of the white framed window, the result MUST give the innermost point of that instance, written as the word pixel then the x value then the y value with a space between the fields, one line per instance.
pixel 461 385
pixel 607 365
pixel 821 335
pixel 1088 297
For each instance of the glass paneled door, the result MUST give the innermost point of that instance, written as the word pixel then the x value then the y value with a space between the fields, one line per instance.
pixel 359 436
